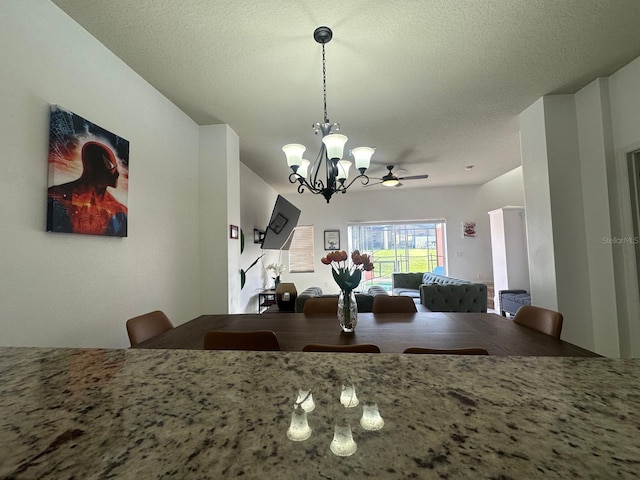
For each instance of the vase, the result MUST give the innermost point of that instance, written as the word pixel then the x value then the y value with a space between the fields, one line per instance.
pixel 347 311
pixel 276 281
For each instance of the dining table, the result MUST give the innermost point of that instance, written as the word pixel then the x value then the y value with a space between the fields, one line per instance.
pixel 392 332
pixel 89 413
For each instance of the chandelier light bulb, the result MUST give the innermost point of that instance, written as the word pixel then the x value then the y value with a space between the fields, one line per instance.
pixel 294 152
pixel 362 156
pixel 343 444
pixel 371 419
pixel 335 145
pixel 305 400
pixel 303 169
pixel 348 396
pixel 299 429
pixel 343 169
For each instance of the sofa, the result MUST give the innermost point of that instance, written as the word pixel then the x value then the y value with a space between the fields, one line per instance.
pixel 439 293
pixel 512 300
pixel 363 299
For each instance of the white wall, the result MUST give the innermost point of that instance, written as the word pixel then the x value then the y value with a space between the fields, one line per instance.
pixel 256 203
pixel 78 290
pixel 574 155
pixel 219 207
pixel 468 258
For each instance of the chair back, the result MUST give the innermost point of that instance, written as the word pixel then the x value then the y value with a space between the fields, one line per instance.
pixel 540 319
pixel 393 304
pixel 264 340
pixel 321 305
pixel 143 327
pixel 448 351
pixel 357 348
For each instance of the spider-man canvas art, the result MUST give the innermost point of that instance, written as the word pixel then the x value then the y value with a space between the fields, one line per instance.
pixel 88 177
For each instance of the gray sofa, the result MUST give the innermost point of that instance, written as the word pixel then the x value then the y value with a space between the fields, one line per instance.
pixel 364 300
pixel 439 293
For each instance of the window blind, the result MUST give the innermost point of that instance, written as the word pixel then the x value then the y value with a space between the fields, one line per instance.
pixel 301 250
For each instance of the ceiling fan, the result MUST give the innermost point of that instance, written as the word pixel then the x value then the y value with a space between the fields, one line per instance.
pixel 391 180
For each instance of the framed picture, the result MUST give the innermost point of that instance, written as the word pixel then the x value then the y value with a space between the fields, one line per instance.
pixel 88 177
pixel 234 231
pixel 469 229
pixel 332 239
pixel 278 223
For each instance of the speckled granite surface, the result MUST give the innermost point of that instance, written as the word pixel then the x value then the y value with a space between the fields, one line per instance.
pixel 99 414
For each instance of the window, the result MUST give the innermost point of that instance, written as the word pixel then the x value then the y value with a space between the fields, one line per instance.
pixel 301 250
pixel 399 247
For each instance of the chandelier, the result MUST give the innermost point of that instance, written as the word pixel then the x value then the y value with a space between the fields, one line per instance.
pixel 329 159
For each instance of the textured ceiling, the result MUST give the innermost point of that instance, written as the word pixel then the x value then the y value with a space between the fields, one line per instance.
pixel 433 85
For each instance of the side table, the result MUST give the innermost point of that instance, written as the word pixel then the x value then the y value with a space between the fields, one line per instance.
pixel 266 298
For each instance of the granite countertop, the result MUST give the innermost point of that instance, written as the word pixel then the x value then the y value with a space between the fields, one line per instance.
pixel 100 414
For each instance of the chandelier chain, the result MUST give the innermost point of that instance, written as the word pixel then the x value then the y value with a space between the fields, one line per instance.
pixel 324 85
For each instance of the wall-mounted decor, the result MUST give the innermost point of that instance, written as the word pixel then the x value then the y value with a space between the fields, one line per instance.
pixel 258 235
pixel 332 239
pixel 234 231
pixel 469 229
pixel 88 177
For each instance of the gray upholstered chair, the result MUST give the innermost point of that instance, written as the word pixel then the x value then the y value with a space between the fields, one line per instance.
pixel 146 326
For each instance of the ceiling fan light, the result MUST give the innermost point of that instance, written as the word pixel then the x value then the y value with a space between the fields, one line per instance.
pixel 391 182
pixel 362 156
pixel 335 145
pixel 303 169
pixel 294 152
pixel 343 169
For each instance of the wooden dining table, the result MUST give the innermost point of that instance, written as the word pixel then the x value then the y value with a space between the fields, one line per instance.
pixel 393 333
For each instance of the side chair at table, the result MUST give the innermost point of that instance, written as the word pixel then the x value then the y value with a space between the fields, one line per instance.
pixel 540 319
pixel 357 348
pixel 393 304
pixel 146 326
pixel 257 340
pixel 448 351
pixel 321 305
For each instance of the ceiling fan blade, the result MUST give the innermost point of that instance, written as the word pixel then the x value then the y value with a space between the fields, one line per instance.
pixel 371 184
pixel 413 177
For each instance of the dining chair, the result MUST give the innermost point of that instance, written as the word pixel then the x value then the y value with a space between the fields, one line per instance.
pixel 257 340
pixel 321 305
pixel 448 351
pixel 540 319
pixel 146 326
pixel 393 304
pixel 357 348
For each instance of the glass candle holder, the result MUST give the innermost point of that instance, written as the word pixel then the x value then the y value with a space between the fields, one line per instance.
pixel 299 429
pixel 305 400
pixel 343 443
pixel 348 396
pixel 371 419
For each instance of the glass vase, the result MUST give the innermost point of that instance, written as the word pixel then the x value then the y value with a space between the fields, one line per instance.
pixel 347 311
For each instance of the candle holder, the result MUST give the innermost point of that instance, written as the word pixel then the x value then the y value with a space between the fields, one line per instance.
pixel 371 419
pixel 348 396
pixel 305 400
pixel 343 443
pixel 299 429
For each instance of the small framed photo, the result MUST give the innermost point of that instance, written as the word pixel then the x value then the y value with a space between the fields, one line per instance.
pixel 234 231
pixel 332 239
pixel 469 229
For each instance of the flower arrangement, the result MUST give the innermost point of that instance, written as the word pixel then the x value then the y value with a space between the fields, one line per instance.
pixel 277 268
pixel 348 276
